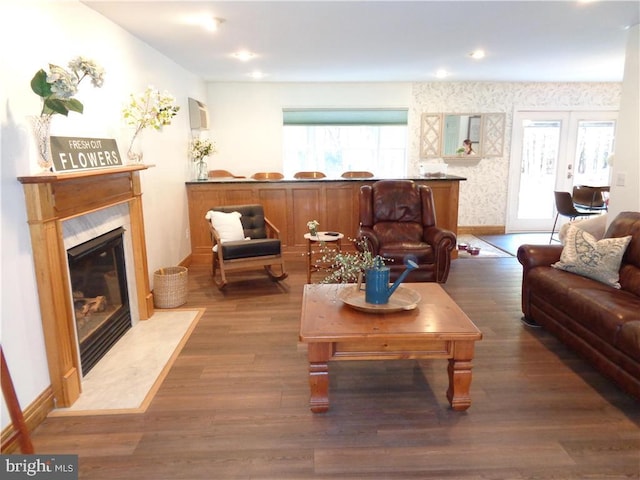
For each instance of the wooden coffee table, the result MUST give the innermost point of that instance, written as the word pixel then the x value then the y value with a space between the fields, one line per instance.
pixel 436 328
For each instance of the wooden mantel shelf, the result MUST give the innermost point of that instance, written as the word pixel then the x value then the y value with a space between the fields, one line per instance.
pixel 52 198
pixel 58 177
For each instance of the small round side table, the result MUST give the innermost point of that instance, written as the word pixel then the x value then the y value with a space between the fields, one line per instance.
pixel 331 240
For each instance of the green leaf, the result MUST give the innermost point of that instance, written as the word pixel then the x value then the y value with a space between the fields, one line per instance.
pixel 75 105
pixel 39 84
pixel 56 105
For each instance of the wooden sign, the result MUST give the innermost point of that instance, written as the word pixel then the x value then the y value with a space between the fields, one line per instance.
pixel 70 154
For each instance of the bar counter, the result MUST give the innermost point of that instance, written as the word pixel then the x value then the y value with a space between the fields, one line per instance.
pixel 291 203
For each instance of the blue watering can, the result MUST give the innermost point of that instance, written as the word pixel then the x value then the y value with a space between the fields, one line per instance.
pixel 377 289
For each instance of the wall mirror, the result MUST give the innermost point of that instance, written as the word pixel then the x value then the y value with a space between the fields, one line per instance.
pixel 458 127
pixel 442 134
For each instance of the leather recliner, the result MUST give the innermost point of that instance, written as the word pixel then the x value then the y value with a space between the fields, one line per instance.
pixel 398 218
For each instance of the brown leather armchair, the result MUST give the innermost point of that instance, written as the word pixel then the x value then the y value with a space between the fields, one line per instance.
pixel 398 218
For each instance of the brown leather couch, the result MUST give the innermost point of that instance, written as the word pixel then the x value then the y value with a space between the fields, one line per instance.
pixel 598 321
pixel 398 218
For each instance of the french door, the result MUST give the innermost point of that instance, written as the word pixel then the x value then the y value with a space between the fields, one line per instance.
pixel 553 151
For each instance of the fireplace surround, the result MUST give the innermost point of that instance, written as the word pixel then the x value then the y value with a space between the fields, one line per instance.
pixel 52 199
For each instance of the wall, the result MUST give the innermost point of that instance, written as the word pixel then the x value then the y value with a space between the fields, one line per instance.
pixel 627 157
pixel 483 197
pixel 34 34
pixel 247 124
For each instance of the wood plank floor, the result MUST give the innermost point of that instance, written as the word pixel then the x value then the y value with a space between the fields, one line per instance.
pixel 235 404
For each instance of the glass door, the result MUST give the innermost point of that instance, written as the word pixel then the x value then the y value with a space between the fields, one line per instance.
pixel 554 151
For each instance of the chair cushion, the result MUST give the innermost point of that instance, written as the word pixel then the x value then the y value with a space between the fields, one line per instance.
pixel 228 225
pixel 597 259
pixel 398 251
pixel 398 232
pixel 252 218
pixel 250 248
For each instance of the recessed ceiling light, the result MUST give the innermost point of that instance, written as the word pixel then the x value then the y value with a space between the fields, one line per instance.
pixel 244 55
pixel 212 23
pixel 477 54
pixel 257 75
pixel 442 73
pixel 206 21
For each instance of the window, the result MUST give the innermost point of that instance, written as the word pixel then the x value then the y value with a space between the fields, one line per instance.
pixel 334 141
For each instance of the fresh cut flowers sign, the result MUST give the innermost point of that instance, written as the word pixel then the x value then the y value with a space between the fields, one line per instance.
pixel 74 154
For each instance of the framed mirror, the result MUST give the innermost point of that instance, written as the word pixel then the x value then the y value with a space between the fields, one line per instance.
pixel 457 128
pixel 443 135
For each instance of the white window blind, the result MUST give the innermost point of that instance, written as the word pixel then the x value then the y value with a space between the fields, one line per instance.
pixel 337 140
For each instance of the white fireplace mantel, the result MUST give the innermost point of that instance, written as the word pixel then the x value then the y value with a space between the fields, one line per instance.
pixel 51 199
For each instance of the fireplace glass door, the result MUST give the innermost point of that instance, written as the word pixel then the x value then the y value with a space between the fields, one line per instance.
pixel 100 295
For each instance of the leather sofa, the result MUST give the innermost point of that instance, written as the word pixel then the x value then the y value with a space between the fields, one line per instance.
pixel 598 321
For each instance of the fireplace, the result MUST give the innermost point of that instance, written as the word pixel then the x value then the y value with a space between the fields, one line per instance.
pixel 54 202
pixel 100 296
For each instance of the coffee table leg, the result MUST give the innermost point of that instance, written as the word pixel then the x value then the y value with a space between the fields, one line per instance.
pixel 460 376
pixel 319 354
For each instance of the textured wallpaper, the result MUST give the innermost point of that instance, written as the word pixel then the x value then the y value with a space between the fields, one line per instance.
pixel 483 195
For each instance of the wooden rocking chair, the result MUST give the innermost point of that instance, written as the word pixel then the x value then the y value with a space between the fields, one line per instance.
pixel 260 245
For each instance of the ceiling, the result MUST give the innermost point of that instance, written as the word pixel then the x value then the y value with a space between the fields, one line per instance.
pixel 380 41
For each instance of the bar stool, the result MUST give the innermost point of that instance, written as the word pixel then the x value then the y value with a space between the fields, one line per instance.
pixel 267 176
pixel 331 243
pixel 355 174
pixel 223 174
pixel 309 175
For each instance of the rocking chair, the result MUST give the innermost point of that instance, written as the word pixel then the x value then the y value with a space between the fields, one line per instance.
pixel 244 239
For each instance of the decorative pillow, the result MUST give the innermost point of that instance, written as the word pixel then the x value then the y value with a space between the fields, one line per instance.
pixel 596 226
pixel 228 225
pixel 597 259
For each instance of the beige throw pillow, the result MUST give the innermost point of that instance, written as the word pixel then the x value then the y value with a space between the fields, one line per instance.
pixel 597 259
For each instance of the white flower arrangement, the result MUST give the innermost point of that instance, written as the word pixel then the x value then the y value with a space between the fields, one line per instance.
pixel 58 87
pixel 313 225
pixel 202 148
pixel 150 109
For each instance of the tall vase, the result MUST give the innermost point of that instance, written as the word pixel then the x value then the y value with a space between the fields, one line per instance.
pixel 202 170
pixel 134 153
pixel 40 128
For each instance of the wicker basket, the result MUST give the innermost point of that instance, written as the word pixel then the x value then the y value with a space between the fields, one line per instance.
pixel 170 287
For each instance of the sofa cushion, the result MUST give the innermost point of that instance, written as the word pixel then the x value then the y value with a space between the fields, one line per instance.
pixel 603 312
pixel 597 259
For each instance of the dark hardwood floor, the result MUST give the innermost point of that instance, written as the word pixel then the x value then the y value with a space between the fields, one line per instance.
pixel 235 404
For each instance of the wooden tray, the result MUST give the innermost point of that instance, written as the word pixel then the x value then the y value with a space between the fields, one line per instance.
pixel 402 299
